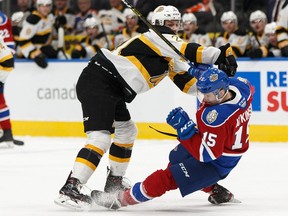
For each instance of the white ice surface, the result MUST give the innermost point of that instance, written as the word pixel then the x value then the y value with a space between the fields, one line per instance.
pixel 31 175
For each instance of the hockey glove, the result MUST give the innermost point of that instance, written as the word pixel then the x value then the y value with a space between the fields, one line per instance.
pixel 49 51
pixel 40 60
pixel 187 131
pixel 60 21
pixel 226 61
pixel 197 69
pixel 255 53
pixel 78 52
pixel 284 51
pixel 177 118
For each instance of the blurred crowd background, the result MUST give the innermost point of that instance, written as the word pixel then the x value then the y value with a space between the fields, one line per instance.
pixel 75 29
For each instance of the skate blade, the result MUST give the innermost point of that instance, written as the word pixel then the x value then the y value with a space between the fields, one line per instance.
pixel 67 202
pixel 18 142
pixel 7 144
pixel 234 200
pixel 107 200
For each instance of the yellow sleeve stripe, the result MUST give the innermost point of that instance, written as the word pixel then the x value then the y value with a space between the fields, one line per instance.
pixel 26 45
pixel 150 44
pixel 44 32
pixel 199 54
pixel 183 48
pixel 7 69
pixel 5 58
pixel 283 44
pixel 189 84
pixel 140 67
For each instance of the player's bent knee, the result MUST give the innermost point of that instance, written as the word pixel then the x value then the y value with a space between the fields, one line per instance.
pixel 125 132
pixel 99 139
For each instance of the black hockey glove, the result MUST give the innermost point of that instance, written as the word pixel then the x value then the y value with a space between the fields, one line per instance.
pixel 226 61
pixel 284 51
pixel 49 51
pixel 60 21
pixel 78 52
pixel 255 53
pixel 41 60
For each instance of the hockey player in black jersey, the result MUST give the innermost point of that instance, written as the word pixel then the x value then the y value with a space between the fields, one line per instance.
pixel 113 78
pixel 35 35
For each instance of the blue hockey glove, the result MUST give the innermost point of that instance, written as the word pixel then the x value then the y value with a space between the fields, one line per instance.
pixel 187 131
pixel 177 118
pixel 197 69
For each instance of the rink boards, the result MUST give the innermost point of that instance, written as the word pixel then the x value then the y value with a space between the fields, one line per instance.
pixel 43 101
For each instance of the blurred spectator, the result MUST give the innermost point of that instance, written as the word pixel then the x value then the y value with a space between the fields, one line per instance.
pixel 64 22
pixel 144 7
pixel 274 10
pixel 192 33
pixel 6 66
pixel 36 35
pixel 183 4
pixel 258 39
pixel 233 34
pixel 132 28
pixel 94 40
pixel 243 9
pixel 85 11
pixel 21 12
pixel 207 13
pixel 113 20
pixel 64 16
pixel 270 32
pixel 22 5
pixel 281 18
pixel 100 5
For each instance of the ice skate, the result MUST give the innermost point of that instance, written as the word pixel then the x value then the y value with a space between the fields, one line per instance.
pixel 221 195
pixel 70 196
pixel 6 138
pixel 107 200
pixel 115 183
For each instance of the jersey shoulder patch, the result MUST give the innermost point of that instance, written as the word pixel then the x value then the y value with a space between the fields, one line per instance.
pixel 216 115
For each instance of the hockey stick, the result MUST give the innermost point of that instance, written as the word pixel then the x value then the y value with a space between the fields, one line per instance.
pixel 105 35
pixel 163 132
pixel 214 13
pixel 150 26
pixel 61 42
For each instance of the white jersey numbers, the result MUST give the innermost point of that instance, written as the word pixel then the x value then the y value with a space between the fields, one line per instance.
pixel 210 139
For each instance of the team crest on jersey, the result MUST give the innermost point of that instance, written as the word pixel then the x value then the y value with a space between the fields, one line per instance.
pixel 211 116
pixel 28 31
pixel 156 79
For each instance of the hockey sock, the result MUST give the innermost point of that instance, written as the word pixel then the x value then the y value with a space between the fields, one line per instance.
pixel 4 114
pixel 134 195
pixel 159 182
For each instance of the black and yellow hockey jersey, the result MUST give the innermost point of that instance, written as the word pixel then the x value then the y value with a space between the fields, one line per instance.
pixel 36 32
pixel 144 60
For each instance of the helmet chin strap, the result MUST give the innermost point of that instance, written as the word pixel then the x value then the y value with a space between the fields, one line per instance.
pixel 221 99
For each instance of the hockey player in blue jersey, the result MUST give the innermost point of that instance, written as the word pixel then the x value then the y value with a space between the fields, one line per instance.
pixel 209 149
